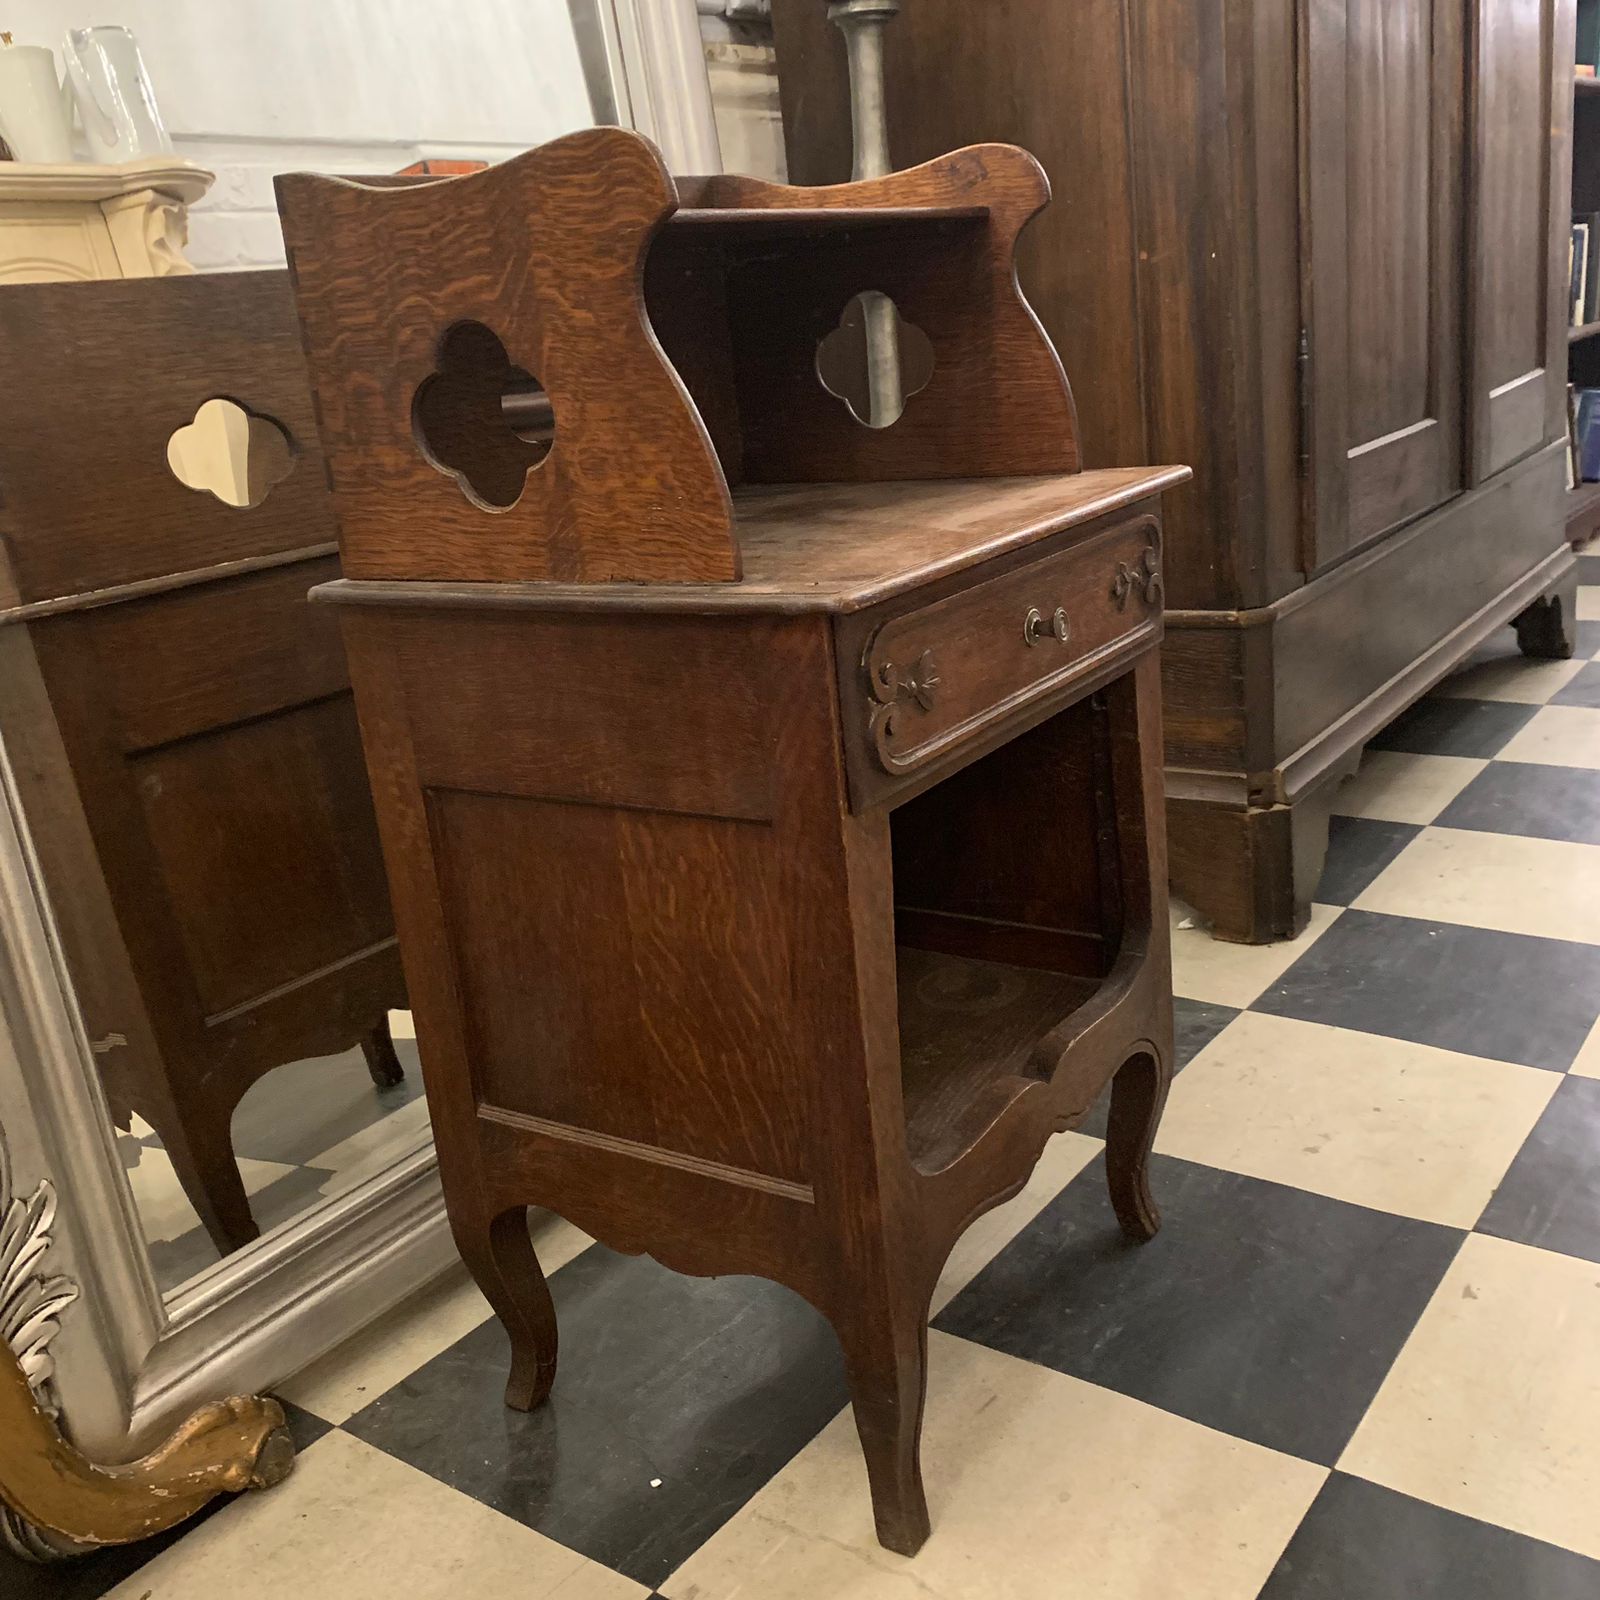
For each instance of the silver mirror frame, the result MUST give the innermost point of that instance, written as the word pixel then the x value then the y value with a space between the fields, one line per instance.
pixel 645 67
pixel 127 1367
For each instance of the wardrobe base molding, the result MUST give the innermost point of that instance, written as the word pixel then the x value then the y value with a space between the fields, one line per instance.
pixel 1268 709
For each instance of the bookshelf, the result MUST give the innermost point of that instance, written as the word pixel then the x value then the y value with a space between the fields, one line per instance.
pixel 1583 338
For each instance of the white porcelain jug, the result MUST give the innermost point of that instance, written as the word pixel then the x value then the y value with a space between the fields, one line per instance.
pixel 33 121
pixel 116 104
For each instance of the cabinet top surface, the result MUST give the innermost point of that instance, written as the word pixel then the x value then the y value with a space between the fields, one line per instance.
pixel 831 547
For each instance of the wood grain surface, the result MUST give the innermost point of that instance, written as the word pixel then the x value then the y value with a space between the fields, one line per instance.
pixel 547 252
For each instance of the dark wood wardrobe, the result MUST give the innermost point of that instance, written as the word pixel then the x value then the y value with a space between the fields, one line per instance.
pixel 1309 248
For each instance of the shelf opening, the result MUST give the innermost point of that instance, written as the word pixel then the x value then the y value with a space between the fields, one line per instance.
pixel 1008 918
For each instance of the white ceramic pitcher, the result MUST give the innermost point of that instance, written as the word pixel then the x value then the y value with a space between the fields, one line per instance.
pixel 33 121
pixel 116 104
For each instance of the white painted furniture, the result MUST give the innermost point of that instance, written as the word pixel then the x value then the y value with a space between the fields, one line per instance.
pixel 82 221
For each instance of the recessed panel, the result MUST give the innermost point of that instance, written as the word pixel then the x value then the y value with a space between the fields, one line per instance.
pixel 629 973
pixel 268 849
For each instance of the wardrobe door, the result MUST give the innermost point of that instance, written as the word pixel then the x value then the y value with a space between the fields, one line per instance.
pixel 1521 112
pixel 1382 98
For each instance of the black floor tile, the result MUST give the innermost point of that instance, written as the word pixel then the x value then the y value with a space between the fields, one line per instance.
pixel 1582 690
pixel 1537 802
pixel 1195 1025
pixel 1360 1541
pixel 1588 640
pixel 1359 848
pixel 286 1197
pixel 305 1428
pixel 176 1261
pixel 302 1108
pixel 1454 728
pixel 1507 996
pixel 1551 1195
pixel 91 1576
pixel 1589 569
pixel 709 1386
pixel 88 1577
pixel 1263 1311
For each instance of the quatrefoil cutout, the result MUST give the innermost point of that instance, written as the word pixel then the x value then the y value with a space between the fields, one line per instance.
pixel 481 419
pixel 872 333
pixel 234 454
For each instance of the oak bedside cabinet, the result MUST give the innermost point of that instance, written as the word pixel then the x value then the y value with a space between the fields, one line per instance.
pixel 177 720
pixel 767 757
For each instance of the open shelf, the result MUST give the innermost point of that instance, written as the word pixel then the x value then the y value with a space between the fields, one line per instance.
pixel 964 1026
pixel 1585 85
pixel 823 219
pixel 1007 921
pixel 1586 331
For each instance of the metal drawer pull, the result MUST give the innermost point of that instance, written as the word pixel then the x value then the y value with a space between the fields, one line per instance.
pixel 1036 628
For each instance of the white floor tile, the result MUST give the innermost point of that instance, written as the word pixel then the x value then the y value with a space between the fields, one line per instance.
pixel 1587 1064
pixel 1493 1408
pixel 1393 786
pixel 352 1523
pixel 1379 1122
pixel 1204 968
pixel 1557 736
pixel 1545 887
pixel 1588 603
pixel 1040 1486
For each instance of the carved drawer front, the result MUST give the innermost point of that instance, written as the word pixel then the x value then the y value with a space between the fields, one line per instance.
pixel 953 669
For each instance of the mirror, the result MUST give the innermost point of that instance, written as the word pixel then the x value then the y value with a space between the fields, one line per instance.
pixel 228 452
pixel 238 1068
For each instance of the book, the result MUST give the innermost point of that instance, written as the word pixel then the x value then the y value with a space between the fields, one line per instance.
pixel 1588 51
pixel 1589 311
pixel 1572 437
pixel 1579 285
pixel 1587 432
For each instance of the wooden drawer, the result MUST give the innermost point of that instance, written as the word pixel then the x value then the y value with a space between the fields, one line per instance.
pixel 951 672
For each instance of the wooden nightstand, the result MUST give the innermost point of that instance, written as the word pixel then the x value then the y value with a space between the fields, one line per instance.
pixel 776 868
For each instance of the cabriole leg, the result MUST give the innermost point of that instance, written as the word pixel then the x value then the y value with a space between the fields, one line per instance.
pixel 382 1062
pixel 1138 1092
pixel 501 1258
pixel 885 1340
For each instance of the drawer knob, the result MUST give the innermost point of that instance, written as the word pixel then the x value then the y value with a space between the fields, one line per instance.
pixel 1036 627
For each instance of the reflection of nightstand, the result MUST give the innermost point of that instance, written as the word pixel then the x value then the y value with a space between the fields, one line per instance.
pixel 81 221
pixel 772 802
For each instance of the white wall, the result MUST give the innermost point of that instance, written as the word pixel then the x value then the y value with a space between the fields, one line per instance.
pixel 253 87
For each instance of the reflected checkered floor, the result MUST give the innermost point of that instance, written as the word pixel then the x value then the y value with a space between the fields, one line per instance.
pixel 1360 1362
pixel 306 1131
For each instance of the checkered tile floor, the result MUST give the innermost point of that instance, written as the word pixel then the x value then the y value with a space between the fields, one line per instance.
pixel 304 1132
pixel 1360 1362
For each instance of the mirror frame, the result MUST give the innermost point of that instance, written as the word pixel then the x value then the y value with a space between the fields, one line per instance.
pixel 128 1366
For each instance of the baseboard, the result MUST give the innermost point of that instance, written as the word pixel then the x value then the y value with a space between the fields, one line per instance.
pixel 1263 705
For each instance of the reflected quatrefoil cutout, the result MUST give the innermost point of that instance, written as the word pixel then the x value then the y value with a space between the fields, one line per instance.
pixel 231 453
pixel 873 341
pixel 482 420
